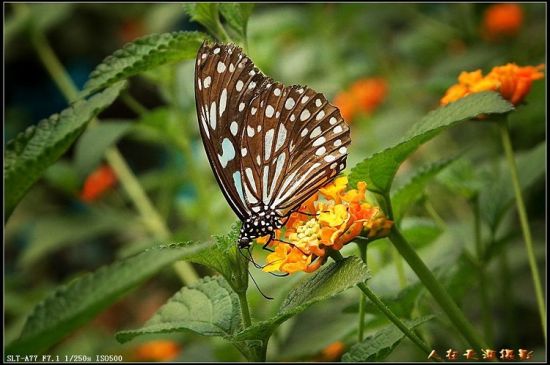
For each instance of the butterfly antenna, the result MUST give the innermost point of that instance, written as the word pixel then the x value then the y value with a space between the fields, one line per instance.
pixel 249 258
pixel 257 287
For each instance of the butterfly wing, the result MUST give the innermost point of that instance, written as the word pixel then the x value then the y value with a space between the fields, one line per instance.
pixel 225 83
pixel 296 142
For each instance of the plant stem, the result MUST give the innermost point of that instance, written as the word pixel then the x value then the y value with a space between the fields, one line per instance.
pixel 524 221
pixel 362 300
pixel 485 307
pixel 133 104
pixel 436 289
pixel 337 256
pixel 126 177
pixel 395 255
pixel 53 66
pixel 245 311
pixel 507 298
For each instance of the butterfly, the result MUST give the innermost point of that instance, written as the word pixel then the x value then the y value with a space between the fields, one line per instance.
pixel 270 146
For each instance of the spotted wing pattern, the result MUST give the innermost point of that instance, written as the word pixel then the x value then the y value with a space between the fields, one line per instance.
pixel 271 146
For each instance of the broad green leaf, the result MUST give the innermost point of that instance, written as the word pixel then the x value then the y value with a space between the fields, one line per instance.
pixel 144 54
pixel 91 146
pixel 326 283
pixel 206 14
pixel 381 344
pixel 51 233
pixel 497 195
pixel 209 307
pixel 412 191
pixel 225 258
pixel 160 125
pixel 379 169
pixel 29 154
pixel 73 304
pixel 237 15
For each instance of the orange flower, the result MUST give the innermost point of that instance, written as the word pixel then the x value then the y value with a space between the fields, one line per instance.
pixel 97 183
pixel 501 20
pixel 333 351
pixel 515 81
pixel 159 350
pixel 339 216
pixel 345 101
pixel 364 95
pixel 369 93
pixel 511 81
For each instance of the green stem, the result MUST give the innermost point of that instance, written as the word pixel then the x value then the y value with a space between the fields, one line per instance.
pixel 524 221
pixel 126 177
pixel 133 104
pixel 395 255
pixel 362 299
pixel 440 222
pixel 436 289
pixel 507 298
pixel 53 66
pixel 485 306
pixel 337 256
pixel 245 311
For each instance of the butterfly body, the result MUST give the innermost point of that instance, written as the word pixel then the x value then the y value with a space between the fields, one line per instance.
pixel 270 146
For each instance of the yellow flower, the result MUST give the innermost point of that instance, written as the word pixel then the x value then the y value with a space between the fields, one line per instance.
pixel 345 215
pixel 334 189
pixel 511 81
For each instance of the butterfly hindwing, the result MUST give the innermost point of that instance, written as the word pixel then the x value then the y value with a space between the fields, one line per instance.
pixel 296 142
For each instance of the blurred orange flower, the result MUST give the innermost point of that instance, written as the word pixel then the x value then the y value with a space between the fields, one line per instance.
pixel 97 183
pixel 501 20
pixel 328 220
pixel 158 350
pixel 513 82
pixel 363 96
pixel 333 352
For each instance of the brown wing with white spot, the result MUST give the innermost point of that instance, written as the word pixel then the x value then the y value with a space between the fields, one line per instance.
pixel 295 143
pixel 225 83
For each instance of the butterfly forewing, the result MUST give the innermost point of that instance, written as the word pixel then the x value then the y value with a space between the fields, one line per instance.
pixel 225 82
pixel 271 146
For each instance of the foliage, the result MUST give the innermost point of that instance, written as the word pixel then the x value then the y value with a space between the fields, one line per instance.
pixel 76 269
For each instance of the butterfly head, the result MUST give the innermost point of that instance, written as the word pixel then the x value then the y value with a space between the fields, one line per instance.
pixel 261 224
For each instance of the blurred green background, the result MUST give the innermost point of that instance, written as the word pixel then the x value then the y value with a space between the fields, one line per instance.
pixel 418 49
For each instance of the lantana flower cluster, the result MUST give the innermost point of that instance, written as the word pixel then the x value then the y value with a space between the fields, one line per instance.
pixel 329 219
pixel 513 82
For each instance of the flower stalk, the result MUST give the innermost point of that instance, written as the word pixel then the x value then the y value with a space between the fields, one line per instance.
pixel 337 256
pixel 524 221
pixel 126 177
pixel 436 289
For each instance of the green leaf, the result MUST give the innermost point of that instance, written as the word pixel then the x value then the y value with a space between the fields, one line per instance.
pixel 206 14
pixel 381 344
pixel 326 283
pixel 91 146
pixel 72 305
pixel 225 258
pixel 379 169
pixel 411 192
pixel 497 195
pixel 50 233
pixel 144 54
pixel 29 154
pixel 210 308
pixel 237 15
